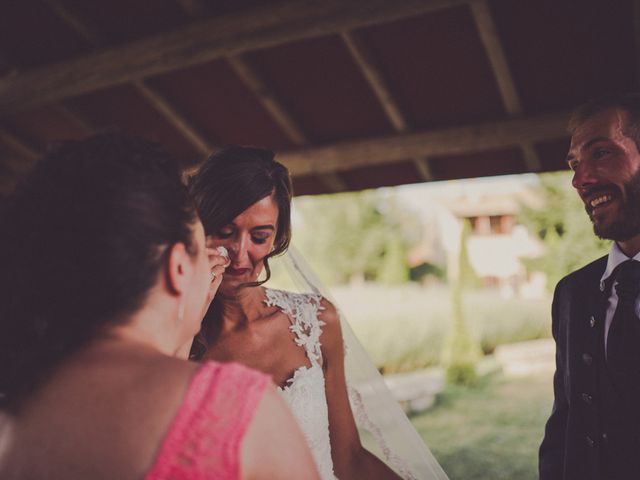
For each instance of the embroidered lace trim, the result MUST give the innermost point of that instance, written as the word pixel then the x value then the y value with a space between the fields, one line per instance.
pixel 305 390
pixel 303 310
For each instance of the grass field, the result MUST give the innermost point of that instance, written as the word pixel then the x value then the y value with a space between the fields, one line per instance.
pixel 404 328
pixel 492 431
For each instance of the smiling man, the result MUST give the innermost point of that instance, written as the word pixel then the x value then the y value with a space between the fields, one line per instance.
pixel 594 428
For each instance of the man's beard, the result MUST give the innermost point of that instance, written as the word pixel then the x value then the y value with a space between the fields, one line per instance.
pixel 626 225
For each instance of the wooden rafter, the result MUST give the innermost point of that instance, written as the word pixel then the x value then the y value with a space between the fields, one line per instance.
pixel 174 117
pixel 22 147
pixel 493 46
pixel 506 85
pixel 531 157
pixel 268 99
pixel 376 80
pixel 153 96
pixel 61 109
pixel 279 113
pixel 77 24
pixel 423 166
pixel 203 41
pixel 25 150
pixel 395 148
pixel 73 116
pixel 383 93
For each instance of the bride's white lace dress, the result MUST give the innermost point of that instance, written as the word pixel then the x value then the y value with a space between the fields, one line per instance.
pixel 305 392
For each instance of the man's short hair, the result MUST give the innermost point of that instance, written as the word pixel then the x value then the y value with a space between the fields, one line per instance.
pixel 627 102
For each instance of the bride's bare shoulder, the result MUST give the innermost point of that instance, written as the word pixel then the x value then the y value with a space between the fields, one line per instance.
pixel 331 338
pixel 328 312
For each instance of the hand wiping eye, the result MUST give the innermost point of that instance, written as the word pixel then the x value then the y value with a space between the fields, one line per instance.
pixel 223 252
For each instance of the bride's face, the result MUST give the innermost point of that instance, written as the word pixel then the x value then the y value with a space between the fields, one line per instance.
pixel 248 238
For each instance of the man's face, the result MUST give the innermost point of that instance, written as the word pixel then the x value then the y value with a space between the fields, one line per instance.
pixel 606 166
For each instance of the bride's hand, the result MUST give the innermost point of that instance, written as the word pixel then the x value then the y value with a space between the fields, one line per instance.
pixel 218 262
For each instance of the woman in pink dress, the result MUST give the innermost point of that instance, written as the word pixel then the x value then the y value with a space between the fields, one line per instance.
pixel 105 279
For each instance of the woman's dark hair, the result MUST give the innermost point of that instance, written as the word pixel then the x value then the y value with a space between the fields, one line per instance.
pixel 84 238
pixel 229 182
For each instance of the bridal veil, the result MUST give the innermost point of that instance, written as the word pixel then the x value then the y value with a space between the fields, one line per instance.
pixel 377 414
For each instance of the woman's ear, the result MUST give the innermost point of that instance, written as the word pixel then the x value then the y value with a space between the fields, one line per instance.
pixel 179 268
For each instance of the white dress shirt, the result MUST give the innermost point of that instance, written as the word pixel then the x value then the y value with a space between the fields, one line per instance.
pixel 616 257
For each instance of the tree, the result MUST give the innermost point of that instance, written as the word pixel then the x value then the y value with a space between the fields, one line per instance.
pixel 355 235
pixel 461 351
pixel 564 227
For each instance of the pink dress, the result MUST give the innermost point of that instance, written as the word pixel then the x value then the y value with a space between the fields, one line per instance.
pixel 205 437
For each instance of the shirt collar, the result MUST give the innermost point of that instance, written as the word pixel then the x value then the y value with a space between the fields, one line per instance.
pixel 616 257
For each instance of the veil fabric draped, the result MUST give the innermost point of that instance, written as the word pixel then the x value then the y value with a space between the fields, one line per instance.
pixel 377 414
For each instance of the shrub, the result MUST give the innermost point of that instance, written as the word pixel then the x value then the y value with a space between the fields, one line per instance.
pixel 404 328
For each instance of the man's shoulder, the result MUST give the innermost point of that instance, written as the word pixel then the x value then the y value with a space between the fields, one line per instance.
pixel 590 272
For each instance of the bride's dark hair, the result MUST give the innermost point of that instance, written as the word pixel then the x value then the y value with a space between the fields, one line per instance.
pixel 229 182
pixel 84 238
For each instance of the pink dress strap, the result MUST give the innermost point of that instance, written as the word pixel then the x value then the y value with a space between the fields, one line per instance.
pixel 204 439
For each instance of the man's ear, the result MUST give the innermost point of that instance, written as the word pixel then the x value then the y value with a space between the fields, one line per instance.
pixel 179 268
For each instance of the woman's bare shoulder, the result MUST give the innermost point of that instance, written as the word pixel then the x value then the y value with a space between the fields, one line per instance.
pixel 331 338
pixel 328 313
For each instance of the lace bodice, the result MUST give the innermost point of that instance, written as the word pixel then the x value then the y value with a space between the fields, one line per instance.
pixel 305 392
pixel 204 438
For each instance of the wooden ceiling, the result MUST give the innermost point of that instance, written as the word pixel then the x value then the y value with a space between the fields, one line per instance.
pixel 351 94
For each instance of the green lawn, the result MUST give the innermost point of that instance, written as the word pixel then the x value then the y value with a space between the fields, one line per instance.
pixel 404 328
pixel 492 431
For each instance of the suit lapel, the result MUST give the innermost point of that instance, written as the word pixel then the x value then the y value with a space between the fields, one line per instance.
pixel 588 327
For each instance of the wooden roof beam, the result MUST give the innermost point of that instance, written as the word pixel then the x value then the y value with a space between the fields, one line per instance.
pixel 449 141
pixel 152 95
pixel 75 117
pixel 506 84
pixel 279 113
pixel 376 80
pixel 268 99
pixel 218 37
pixel 76 23
pixel 174 117
pixel 423 166
pixel 28 152
pixel 493 47
pixel 383 93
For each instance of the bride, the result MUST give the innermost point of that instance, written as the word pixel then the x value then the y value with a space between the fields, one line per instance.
pixel 244 200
